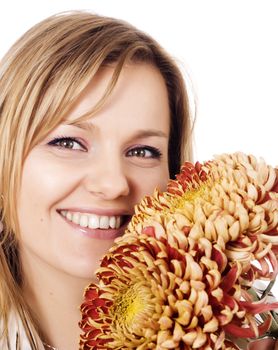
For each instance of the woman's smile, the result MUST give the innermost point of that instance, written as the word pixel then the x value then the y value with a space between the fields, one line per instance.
pixel 94 225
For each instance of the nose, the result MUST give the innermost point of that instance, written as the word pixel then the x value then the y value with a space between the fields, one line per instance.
pixel 107 179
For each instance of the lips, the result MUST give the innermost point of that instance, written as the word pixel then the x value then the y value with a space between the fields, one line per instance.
pixel 92 225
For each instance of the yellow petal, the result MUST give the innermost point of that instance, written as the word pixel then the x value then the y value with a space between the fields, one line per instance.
pixel 178 332
pixel 200 339
pixel 165 322
pixel 189 337
pixel 196 231
pixel 211 326
pixel 169 344
pixel 218 294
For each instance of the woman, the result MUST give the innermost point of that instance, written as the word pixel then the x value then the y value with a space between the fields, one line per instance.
pixel 94 115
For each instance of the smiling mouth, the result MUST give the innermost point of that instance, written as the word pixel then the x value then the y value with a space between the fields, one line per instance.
pixel 93 221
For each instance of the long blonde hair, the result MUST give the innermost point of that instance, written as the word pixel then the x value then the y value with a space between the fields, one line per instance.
pixel 41 77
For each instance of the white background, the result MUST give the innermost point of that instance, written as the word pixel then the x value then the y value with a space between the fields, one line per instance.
pixel 228 48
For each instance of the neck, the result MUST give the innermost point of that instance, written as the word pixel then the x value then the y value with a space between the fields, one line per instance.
pixel 54 298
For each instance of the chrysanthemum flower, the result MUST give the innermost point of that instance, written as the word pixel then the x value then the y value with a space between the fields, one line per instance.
pixel 179 277
pixel 231 200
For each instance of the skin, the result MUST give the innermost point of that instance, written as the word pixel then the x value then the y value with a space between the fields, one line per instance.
pixel 101 173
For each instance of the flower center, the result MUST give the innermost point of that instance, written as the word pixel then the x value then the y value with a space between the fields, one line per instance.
pixel 132 306
pixel 193 192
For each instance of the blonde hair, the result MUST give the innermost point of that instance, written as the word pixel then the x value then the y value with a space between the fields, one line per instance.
pixel 41 77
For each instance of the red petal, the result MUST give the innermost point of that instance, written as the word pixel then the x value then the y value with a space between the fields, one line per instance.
pixel 247 332
pixel 262 344
pixel 229 280
pixel 149 231
pixel 219 257
pixel 229 301
pixel 257 307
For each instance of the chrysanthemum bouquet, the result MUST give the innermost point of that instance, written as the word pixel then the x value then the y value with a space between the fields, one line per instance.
pixel 184 274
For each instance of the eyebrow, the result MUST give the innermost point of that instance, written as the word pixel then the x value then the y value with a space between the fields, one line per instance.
pixel 87 126
pixel 150 132
pixel 83 125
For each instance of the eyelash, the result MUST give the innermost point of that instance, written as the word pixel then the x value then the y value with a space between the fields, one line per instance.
pixel 156 153
pixel 56 140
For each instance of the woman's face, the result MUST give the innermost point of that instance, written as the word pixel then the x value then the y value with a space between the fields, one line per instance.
pixel 80 184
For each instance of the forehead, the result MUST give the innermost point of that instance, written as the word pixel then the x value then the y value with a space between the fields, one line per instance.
pixel 140 93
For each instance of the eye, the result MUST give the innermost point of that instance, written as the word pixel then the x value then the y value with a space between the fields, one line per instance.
pixel 145 152
pixel 70 143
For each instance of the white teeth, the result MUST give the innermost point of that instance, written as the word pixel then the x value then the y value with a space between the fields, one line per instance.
pixel 75 218
pixel 104 222
pixel 93 221
pixel 83 221
pixel 112 222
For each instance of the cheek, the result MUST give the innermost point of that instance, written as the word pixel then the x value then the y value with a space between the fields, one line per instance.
pixel 35 196
pixel 37 188
pixel 155 178
pixel 42 186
